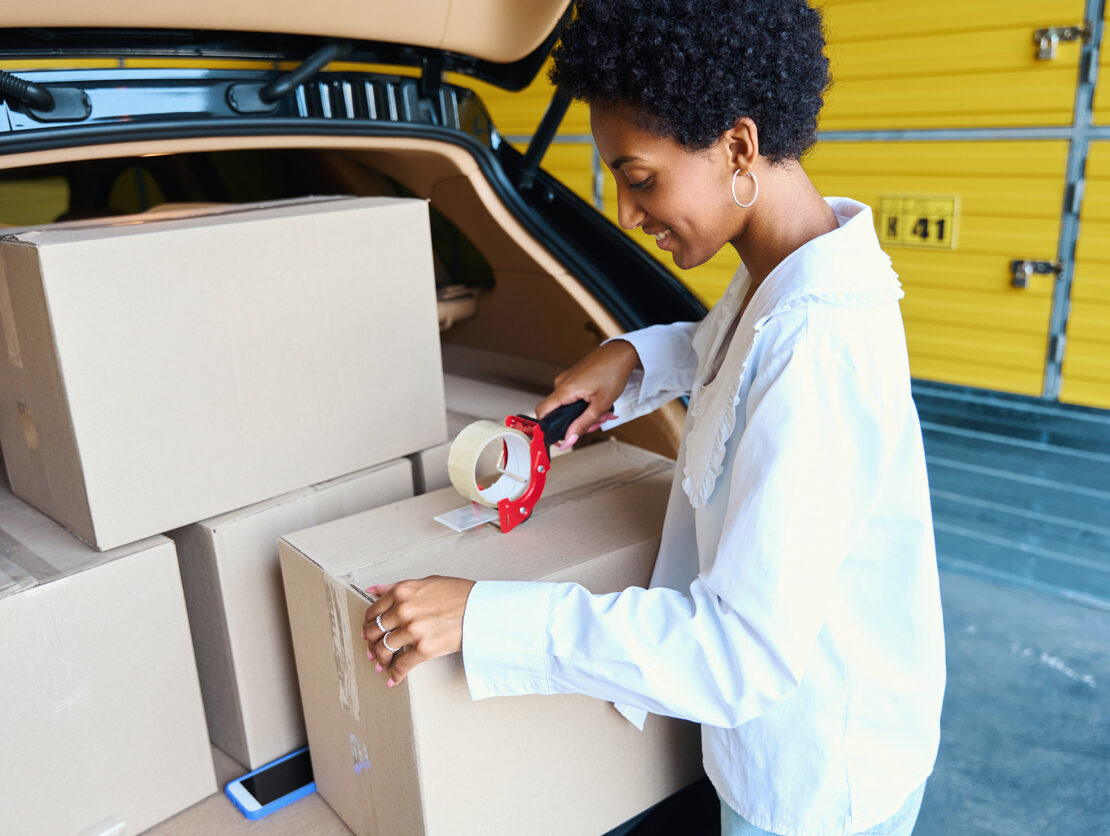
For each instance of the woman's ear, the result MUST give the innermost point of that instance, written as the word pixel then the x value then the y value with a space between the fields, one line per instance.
pixel 742 142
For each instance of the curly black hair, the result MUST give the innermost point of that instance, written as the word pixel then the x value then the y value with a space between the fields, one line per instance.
pixel 691 68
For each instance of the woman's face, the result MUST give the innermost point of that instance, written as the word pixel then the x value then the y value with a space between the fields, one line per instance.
pixel 681 198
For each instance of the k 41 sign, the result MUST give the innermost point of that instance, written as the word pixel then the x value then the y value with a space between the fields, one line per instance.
pixel 911 221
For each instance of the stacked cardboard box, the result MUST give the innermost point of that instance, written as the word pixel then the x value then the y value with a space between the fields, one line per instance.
pixel 163 369
pixel 227 376
pixel 170 368
pixel 229 566
pixel 423 758
pixel 102 722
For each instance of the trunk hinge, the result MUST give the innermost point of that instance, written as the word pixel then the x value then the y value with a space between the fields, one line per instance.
pixel 431 76
pixel 253 97
pixel 541 139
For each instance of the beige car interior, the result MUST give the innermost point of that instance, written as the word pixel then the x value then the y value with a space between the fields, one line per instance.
pixel 535 319
pixel 501 31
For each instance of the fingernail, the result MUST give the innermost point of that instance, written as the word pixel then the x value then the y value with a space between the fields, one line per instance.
pixel 369 658
pixel 570 440
pixel 390 683
pixel 371 589
pixel 364 634
pixel 377 667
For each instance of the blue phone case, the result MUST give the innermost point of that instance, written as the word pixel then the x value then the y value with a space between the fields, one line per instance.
pixel 277 803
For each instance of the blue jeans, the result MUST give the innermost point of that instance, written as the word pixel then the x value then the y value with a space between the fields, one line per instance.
pixel 900 824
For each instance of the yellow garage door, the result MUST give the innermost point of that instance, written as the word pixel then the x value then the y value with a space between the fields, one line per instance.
pixel 965 115
pixel 1085 376
pixel 982 109
pixel 899 64
pixel 965 321
pixel 1086 366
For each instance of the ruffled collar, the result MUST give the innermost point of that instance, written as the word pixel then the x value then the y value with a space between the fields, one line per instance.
pixel 842 267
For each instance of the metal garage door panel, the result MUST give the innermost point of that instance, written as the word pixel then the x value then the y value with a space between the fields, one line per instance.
pixel 965 322
pixel 1101 102
pixel 947 64
pixel 1086 369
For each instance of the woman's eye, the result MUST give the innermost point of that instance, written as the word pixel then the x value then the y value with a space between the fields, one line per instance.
pixel 643 184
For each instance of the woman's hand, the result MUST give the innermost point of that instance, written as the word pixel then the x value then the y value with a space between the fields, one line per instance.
pixel 598 378
pixel 424 617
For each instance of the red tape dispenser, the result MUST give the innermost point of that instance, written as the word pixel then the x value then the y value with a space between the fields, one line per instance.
pixel 510 497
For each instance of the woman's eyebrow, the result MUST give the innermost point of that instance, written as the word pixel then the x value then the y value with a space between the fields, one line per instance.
pixel 619 161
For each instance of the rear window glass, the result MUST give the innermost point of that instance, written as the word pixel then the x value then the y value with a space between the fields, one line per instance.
pixel 31 201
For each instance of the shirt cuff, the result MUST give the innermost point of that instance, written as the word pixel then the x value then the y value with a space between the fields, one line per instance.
pixel 668 363
pixel 642 379
pixel 505 638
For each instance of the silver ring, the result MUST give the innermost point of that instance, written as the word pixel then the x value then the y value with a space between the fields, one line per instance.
pixel 386 643
pixel 378 621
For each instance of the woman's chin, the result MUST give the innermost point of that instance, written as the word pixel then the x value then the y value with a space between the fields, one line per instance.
pixel 684 260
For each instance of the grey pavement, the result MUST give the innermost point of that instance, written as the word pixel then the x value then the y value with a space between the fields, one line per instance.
pixel 1025 746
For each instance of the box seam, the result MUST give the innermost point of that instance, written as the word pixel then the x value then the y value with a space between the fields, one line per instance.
pixel 211 548
pixel 68 411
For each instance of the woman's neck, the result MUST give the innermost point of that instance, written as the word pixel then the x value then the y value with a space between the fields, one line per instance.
pixel 790 212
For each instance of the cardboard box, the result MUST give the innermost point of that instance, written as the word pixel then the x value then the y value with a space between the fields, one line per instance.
pixel 423 758
pixel 102 722
pixel 167 367
pixel 232 579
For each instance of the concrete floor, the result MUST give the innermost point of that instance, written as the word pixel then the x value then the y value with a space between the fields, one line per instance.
pixel 1025 733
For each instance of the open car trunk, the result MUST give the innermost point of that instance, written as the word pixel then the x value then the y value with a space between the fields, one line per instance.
pixel 510 312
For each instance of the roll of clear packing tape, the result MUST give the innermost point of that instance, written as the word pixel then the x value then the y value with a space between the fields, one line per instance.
pixel 514 465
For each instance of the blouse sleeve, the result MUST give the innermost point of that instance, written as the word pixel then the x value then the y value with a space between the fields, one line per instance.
pixel 669 366
pixel 806 475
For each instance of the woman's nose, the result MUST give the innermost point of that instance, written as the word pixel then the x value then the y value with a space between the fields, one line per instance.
pixel 629 213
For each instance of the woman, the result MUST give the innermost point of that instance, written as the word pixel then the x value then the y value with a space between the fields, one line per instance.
pixel 794 609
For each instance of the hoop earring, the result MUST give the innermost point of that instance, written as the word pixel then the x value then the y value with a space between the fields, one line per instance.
pixel 751 174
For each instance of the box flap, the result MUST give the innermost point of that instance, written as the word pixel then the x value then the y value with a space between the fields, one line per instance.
pixel 35 550
pixel 401 540
pixel 190 217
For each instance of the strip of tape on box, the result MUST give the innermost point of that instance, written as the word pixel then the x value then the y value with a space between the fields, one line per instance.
pixel 21 568
pixel 346 681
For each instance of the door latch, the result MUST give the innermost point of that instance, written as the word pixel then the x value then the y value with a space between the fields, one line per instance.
pixel 1023 270
pixel 1051 37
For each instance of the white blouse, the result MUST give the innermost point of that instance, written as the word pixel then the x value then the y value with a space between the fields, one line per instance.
pixel 794 610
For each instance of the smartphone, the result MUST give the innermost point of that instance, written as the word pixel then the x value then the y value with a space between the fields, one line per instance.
pixel 273 786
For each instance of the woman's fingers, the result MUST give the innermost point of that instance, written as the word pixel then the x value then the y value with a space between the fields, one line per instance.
pixel 608 416
pixel 415 619
pixel 585 422
pixel 388 647
pixel 381 605
pixel 598 378
pixel 402 664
